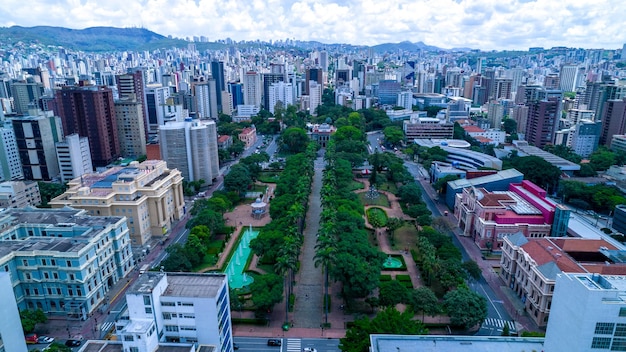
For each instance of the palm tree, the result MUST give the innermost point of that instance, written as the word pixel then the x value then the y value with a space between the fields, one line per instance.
pixel 283 267
pixel 324 257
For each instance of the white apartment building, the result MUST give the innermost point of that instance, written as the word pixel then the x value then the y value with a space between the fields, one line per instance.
pixel 19 194
pixel 252 88
pixel 280 91
pixel 74 157
pixel 11 333
pixel 191 147
pixel 405 100
pixel 156 97
pixel 206 98
pixel 177 307
pixel 315 96
pixel 10 164
pixel 149 194
pixel 588 313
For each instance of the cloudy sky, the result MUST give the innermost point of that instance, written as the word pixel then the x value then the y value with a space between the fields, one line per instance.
pixel 482 24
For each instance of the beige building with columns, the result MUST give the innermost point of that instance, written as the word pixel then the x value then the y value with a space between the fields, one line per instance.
pixel 148 194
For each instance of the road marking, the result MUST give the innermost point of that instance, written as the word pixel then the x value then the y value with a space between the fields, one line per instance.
pixel 294 345
pixel 107 326
pixel 492 323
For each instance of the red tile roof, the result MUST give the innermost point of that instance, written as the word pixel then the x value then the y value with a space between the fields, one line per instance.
pixel 543 251
pixel 471 128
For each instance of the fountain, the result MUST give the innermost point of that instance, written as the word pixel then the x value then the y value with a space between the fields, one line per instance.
pixel 239 258
pixel 392 263
pixel 372 193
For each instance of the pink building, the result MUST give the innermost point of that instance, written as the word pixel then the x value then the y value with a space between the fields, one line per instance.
pixel 248 136
pixel 488 217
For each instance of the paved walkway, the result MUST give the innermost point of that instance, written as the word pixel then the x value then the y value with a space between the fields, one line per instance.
pixel 309 307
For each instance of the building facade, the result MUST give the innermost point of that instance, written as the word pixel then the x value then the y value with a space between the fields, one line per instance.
pixel 35 137
pixel 586 137
pixel 488 217
pixel 11 333
pixel 63 261
pixel 131 128
pixel 19 194
pixel 90 112
pixel 74 157
pixel 149 194
pixel 178 307
pixel 191 147
pixel 10 164
pixel 427 127
pixel 248 136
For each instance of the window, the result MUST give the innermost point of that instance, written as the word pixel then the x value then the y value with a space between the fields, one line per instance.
pixel 168 304
pixel 68 263
pixel 167 316
pixel 128 338
pixel 622 312
pixel 604 328
pixel 601 343
pixel 146 300
pixel 148 310
pixel 171 328
pixel 619 344
pixel 134 349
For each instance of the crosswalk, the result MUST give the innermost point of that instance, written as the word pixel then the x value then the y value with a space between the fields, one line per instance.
pixel 294 345
pixel 106 326
pixel 492 323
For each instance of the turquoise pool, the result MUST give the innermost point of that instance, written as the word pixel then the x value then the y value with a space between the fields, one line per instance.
pixel 236 277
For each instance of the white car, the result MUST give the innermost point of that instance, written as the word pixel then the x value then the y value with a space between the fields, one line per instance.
pixel 309 349
pixel 45 339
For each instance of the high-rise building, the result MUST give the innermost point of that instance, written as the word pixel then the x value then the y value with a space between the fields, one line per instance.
pixel 177 307
pixel 11 333
pixel 206 94
pixel 280 92
pixel 156 96
pixel 26 95
pixel 191 147
pixel 502 88
pixel 388 91
pixel 10 164
pixel 405 100
pixel 613 120
pixel 130 127
pixel 217 72
pixel 131 86
pixel 90 112
pixel 315 97
pixel 313 74
pixel 568 78
pixel 519 113
pixel 236 90
pixel 74 157
pixel 149 194
pixel 543 121
pixel 495 114
pixel 252 88
pixel 586 137
pixel 35 137
pixel 268 80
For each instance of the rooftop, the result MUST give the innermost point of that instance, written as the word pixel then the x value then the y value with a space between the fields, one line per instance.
pixel 436 343
pixel 499 176
pixel 557 161
pixel 116 346
pixel 181 284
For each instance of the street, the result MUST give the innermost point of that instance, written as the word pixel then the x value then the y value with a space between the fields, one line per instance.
pixel 250 344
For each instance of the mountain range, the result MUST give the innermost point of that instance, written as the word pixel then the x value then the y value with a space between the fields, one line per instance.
pixel 103 39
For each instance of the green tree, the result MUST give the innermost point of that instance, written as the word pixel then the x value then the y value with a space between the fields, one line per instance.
pixel 506 331
pixel 387 321
pixel 410 193
pixel 49 191
pixel 602 159
pixel 266 290
pixel 391 293
pixel 176 259
pixel 30 318
pixel 472 269
pixel 509 126
pixel 393 135
pixel 465 308
pixel 537 170
pixel 424 300
pixel 238 179
pixel 57 347
pixel 441 185
pixel 294 140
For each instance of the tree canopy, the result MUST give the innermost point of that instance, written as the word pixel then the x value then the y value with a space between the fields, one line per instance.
pixel 465 308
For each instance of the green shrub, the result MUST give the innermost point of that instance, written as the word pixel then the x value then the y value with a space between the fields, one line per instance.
pixel 249 321
pixel 403 277
pixel 384 278
pixel 327 300
pixel 292 301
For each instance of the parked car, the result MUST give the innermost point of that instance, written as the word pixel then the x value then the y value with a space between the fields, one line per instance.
pixel 72 343
pixel 31 338
pixel 274 342
pixel 45 339
pixel 309 349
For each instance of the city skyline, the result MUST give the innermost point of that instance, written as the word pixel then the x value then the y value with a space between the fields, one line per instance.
pixel 479 24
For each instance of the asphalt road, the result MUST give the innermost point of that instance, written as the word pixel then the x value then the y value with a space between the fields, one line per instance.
pixel 254 344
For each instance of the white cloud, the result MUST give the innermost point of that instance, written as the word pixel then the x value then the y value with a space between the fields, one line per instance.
pixel 484 24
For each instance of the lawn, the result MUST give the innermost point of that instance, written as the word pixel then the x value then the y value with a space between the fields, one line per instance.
pixel 258 188
pixel 355 185
pixel 389 187
pixel 405 237
pixel 269 176
pixel 377 217
pixel 381 201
